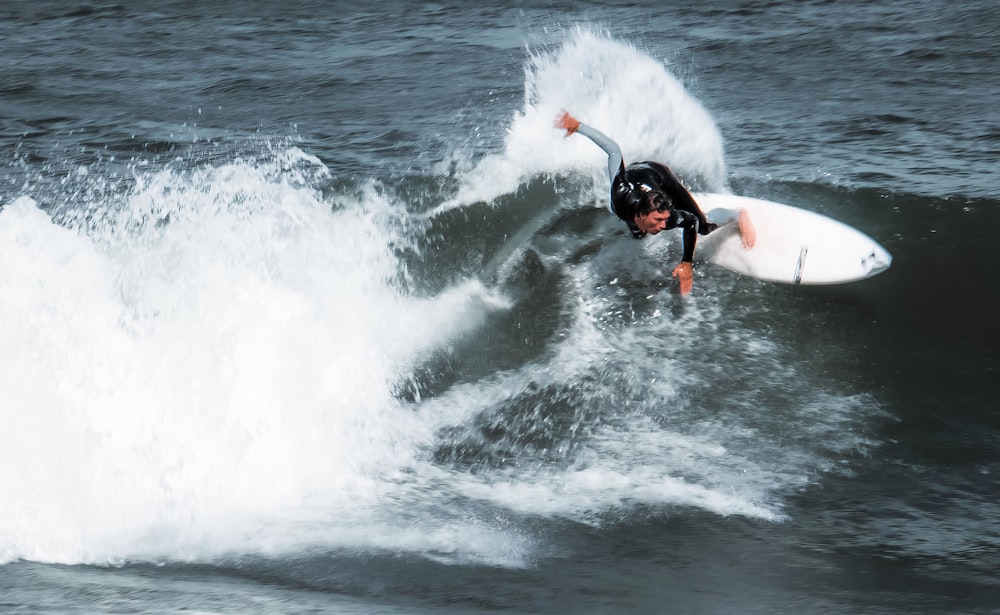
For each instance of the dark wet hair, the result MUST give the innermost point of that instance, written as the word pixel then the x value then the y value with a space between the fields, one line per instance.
pixel 638 199
pixel 653 200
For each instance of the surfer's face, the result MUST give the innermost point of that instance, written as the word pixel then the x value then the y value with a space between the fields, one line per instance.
pixel 653 222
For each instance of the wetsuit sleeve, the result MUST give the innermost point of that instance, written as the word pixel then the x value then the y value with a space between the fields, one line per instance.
pixel 689 222
pixel 616 163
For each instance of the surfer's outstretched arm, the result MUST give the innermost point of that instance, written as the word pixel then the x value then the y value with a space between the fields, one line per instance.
pixel 570 124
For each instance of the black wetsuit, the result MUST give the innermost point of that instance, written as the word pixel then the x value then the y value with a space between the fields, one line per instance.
pixel 628 185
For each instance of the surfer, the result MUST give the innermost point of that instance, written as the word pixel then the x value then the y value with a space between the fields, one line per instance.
pixel 649 199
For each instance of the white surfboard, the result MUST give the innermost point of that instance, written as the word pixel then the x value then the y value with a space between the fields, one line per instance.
pixel 794 245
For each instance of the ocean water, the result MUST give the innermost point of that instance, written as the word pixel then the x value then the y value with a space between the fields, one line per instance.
pixel 307 308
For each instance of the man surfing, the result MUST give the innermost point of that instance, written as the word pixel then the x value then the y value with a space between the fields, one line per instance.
pixel 649 199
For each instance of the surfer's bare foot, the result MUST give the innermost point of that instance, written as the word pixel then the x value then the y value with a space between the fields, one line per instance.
pixel 748 234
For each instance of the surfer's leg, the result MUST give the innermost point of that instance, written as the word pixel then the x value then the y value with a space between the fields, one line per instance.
pixel 748 234
pixel 724 217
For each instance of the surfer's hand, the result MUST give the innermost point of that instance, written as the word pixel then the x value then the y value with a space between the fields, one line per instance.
pixel 685 275
pixel 567 122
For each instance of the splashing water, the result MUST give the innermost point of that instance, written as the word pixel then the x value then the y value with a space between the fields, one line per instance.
pixel 622 92
pixel 207 367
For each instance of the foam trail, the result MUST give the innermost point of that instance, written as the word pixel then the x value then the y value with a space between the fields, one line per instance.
pixel 645 414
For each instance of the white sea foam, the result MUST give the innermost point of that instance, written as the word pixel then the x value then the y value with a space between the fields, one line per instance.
pixel 210 369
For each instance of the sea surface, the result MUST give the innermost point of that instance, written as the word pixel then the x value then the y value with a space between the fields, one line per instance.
pixel 306 307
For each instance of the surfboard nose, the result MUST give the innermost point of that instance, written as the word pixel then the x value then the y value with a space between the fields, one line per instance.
pixel 877 262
